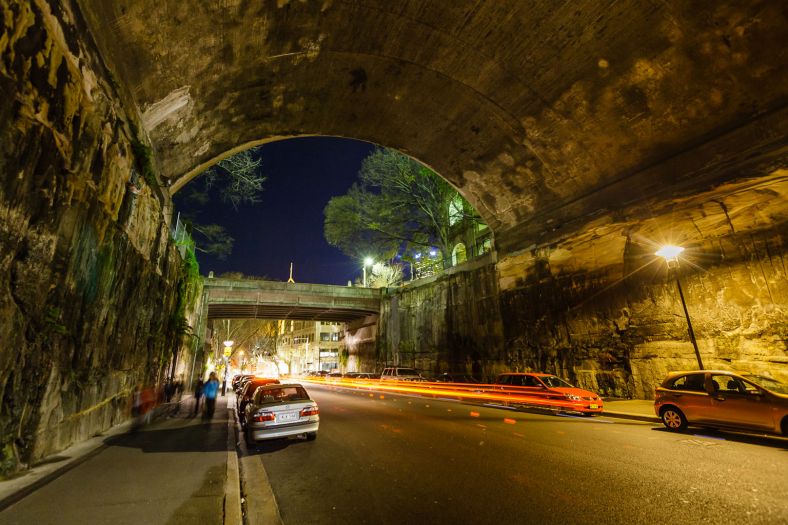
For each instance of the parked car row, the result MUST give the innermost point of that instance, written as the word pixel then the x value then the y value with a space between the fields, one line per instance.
pixel 707 398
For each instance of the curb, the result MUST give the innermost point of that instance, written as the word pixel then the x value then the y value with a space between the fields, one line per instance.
pixel 628 415
pixel 259 502
pixel 232 485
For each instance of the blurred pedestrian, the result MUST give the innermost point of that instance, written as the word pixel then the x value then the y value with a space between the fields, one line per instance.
pixel 136 408
pixel 148 403
pixel 210 390
pixel 197 395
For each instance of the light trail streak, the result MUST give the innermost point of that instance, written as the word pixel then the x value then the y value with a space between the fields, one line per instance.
pixel 498 396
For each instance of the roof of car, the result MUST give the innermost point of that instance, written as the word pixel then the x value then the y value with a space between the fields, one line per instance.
pixel 274 387
pixel 684 372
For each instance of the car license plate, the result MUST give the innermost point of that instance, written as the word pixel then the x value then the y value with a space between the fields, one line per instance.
pixel 593 405
pixel 292 416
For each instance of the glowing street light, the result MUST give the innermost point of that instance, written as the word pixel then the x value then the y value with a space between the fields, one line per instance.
pixel 369 261
pixel 671 255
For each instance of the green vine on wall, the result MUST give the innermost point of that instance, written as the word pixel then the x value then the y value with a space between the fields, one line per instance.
pixel 143 156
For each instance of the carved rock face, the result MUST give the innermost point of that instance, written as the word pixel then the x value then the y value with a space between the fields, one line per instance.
pixel 544 118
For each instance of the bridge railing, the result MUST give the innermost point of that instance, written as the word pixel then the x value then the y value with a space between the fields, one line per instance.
pixel 305 288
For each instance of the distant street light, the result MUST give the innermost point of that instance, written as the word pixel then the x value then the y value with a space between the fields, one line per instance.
pixel 367 262
pixel 228 348
pixel 671 255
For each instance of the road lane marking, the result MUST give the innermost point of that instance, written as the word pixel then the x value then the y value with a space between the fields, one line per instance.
pixel 509 421
pixel 474 414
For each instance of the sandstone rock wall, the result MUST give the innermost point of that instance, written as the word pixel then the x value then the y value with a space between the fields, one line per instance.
pixel 87 271
pixel 616 330
pixel 450 324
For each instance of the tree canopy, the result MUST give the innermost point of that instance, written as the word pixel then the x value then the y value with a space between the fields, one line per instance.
pixel 238 181
pixel 397 205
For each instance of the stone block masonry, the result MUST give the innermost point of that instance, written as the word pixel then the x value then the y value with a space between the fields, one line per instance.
pixel 87 272
pixel 616 330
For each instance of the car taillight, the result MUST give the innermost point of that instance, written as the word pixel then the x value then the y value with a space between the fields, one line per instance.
pixel 263 416
pixel 309 411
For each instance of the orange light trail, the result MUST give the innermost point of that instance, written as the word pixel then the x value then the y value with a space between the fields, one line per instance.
pixel 506 395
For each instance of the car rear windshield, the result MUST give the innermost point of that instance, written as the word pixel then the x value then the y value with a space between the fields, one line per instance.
pixel 554 382
pixel 768 383
pixel 283 395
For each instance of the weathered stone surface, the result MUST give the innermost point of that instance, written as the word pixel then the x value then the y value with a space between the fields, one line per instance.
pixel 452 324
pixel 617 330
pixel 545 117
pixel 85 293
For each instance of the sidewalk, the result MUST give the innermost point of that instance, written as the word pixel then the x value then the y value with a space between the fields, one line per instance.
pixel 177 470
pixel 639 409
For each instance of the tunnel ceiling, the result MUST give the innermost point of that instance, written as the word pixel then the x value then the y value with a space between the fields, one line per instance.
pixel 545 114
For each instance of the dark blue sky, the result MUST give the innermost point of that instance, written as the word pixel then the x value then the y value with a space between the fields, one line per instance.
pixel 303 174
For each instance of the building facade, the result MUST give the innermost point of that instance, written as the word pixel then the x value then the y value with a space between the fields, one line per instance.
pixel 310 346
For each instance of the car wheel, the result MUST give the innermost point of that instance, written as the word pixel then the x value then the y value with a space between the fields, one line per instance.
pixel 673 419
pixel 311 436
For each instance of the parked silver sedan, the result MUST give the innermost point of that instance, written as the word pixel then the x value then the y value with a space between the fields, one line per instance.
pixel 280 411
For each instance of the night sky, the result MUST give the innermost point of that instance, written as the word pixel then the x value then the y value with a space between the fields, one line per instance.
pixel 303 174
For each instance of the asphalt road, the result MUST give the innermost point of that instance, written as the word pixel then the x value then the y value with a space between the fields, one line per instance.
pixel 398 459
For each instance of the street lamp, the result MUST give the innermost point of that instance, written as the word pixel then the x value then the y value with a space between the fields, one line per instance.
pixel 671 255
pixel 228 349
pixel 367 262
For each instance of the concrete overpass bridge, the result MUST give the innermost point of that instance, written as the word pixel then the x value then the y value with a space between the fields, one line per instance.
pixel 257 299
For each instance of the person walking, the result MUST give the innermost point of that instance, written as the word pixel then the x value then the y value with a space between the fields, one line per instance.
pixel 210 390
pixel 198 386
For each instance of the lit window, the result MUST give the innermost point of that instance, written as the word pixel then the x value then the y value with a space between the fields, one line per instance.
pixel 458 255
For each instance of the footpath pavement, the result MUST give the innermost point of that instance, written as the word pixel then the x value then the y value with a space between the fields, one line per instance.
pixel 177 470
pixel 639 409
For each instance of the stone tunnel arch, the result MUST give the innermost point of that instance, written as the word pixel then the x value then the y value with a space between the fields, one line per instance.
pixel 539 142
pixel 575 130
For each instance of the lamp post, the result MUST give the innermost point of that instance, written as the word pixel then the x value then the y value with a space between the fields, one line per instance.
pixel 367 262
pixel 671 255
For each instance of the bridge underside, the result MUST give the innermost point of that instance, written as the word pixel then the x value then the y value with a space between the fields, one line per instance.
pixel 298 313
